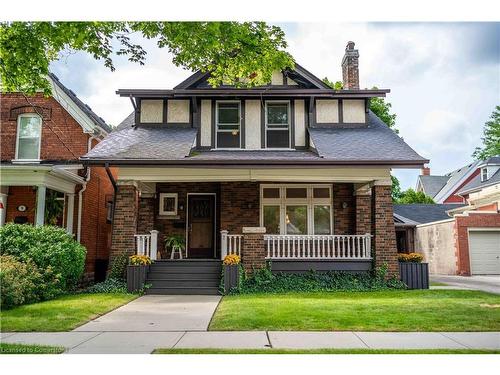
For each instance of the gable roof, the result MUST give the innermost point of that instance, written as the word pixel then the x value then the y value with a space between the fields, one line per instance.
pixel 299 74
pixel 456 178
pixel 420 213
pixel 431 185
pixel 476 184
pixel 94 118
pixel 374 143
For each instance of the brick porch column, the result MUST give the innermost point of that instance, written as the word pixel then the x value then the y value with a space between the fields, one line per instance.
pixel 363 209
pixel 124 220
pixel 253 253
pixel 383 227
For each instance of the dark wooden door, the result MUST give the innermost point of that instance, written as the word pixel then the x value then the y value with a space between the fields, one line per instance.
pixel 201 214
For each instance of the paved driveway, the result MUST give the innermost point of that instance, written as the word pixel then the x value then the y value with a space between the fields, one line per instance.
pixel 157 313
pixel 489 284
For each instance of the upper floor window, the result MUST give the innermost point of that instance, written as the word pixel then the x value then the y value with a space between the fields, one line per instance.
pixel 228 122
pixel 29 131
pixel 484 174
pixel 277 124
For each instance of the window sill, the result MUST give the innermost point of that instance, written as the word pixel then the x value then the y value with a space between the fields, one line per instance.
pixel 169 217
pixel 26 161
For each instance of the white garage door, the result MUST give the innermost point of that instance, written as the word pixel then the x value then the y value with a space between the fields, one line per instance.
pixel 484 251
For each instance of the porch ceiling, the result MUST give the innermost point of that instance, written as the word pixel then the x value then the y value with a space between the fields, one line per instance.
pixel 338 174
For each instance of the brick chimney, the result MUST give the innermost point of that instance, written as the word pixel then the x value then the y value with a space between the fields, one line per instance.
pixel 425 171
pixel 350 69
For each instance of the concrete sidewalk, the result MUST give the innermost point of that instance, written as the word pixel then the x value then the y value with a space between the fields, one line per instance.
pixel 490 284
pixel 146 342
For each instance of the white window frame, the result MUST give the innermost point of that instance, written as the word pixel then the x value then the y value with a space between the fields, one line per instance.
pixel 226 130
pixel 168 195
pixel 309 201
pixel 287 102
pixel 18 133
pixel 484 176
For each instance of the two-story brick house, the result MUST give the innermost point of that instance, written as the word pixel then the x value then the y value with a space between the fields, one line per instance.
pixel 42 179
pixel 293 172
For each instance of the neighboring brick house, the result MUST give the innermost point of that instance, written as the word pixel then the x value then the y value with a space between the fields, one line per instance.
pixel 461 239
pixel 42 178
pixel 293 172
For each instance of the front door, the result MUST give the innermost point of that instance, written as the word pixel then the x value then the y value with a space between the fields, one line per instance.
pixel 201 226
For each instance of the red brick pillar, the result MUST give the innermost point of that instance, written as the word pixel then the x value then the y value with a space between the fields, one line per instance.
pixel 124 221
pixel 384 233
pixel 253 254
pixel 363 211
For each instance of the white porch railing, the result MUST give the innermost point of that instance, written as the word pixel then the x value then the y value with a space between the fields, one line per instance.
pixel 355 247
pixel 230 243
pixel 147 244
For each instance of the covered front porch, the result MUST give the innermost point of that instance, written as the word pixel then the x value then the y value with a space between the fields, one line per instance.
pixel 321 218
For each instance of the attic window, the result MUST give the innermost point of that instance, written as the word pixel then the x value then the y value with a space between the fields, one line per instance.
pixel 484 174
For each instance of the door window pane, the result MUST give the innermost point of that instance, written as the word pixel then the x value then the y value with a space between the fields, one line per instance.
pixel 322 219
pixel 296 219
pixel 272 219
pixel 28 146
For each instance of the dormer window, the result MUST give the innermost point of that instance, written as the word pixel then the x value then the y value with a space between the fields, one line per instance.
pixel 277 124
pixel 29 131
pixel 228 120
pixel 484 174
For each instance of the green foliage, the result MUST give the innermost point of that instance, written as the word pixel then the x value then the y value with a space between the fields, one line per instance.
pixel 48 247
pixel 110 285
pixel 383 111
pixel 53 207
pixel 411 196
pixel 176 241
pixel 338 85
pixel 491 137
pixel 22 282
pixel 118 269
pixel 264 281
pixel 237 53
pixel 395 189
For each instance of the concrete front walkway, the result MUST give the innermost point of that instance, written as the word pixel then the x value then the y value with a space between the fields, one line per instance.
pixel 156 313
pixel 146 342
pixel 490 284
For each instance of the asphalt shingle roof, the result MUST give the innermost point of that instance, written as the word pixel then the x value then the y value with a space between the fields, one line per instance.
pixel 433 184
pixel 476 182
pixel 375 142
pixel 423 213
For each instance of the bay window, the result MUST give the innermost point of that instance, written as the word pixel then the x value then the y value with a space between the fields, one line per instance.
pixel 29 130
pixel 277 124
pixel 228 122
pixel 296 209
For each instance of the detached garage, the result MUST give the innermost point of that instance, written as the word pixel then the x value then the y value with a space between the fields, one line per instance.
pixel 484 251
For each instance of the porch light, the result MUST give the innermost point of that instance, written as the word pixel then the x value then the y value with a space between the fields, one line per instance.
pixel 234 132
pixel 344 205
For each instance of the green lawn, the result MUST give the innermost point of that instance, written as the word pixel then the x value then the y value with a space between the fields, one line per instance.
pixel 61 314
pixel 29 349
pixel 324 351
pixel 408 310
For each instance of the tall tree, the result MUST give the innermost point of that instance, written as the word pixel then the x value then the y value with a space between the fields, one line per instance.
pixel 338 85
pixel 412 196
pixel 395 189
pixel 243 54
pixel 491 137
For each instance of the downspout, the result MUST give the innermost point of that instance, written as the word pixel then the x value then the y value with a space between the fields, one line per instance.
pixel 80 193
pixel 115 187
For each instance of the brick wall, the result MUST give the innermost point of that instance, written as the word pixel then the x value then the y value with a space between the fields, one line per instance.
pixel 239 205
pixel 462 224
pixel 21 195
pixel 383 229
pixel 344 219
pixel 363 214
pixel 124 221
pixel 253 252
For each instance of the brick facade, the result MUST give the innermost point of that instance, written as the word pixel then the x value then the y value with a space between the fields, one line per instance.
pixel 384 234
pixel 363 213
pixel 462 225
pixel 253 252
pixel 125 220
pixel 344 218
pixel 239 205
pixel 62 141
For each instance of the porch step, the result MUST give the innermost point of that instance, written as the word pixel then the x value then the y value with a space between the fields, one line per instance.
pixel 187 276
pixel 183 290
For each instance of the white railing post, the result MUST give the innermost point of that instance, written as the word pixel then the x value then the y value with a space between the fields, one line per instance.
pixel 153 244
pixel 223 243
pixel 368 250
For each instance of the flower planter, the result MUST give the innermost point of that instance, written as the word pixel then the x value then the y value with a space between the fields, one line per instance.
pixel 231 277
pixel 136 277
pixel 414 275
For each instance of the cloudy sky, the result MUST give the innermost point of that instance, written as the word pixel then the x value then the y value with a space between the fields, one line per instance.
pixel 444 78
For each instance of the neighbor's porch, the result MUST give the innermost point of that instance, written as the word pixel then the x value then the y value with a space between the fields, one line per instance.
pixel 297 225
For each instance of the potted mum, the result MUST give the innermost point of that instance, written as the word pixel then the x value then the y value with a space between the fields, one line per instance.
pixel 137 271
pixel 231 265
pixel 413 272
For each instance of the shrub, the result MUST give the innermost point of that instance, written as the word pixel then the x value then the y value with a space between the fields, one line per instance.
pixel 110 285
pixel 231 259
pixel 118 269
pixel 140 260
pixel 264 281
pixel 48 247
pixel 411 257
pixel 23 282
